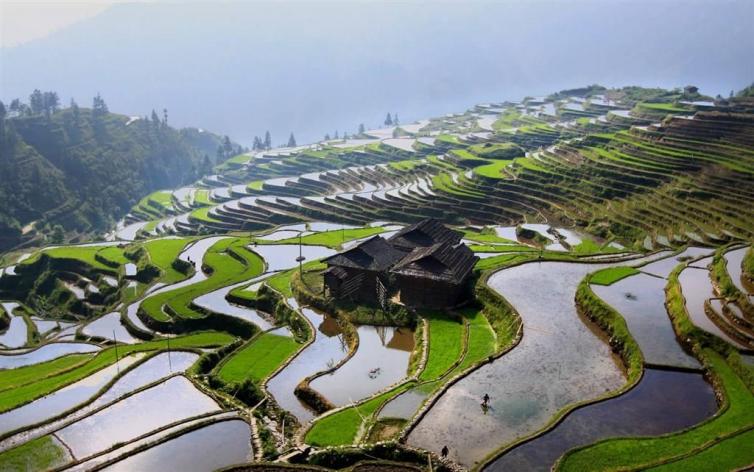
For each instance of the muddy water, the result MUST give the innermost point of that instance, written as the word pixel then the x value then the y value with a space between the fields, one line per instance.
pixel 62 400
pixel 209 448
pixel 662 402
pixel 641 301
pixel 173 400
pixel 44 353
pixel 109 327
pixel 283 256
pixel 734 259
pixel 696 287
pixel 559 361
pixel 381 360
pixel 15 333
pixel 215 301
pixel 328 348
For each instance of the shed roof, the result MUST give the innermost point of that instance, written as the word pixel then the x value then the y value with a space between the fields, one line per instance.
pixel 441 261
pixel 423 234
pixel 374 254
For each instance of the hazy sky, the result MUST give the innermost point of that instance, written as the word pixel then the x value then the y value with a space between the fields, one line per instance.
pixel 311 67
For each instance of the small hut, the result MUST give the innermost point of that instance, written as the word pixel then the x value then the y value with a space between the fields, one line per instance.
pixel 435 276
pixel 361 273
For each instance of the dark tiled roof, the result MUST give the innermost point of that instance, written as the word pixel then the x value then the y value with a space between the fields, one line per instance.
pixel 423 234
pixel 441 261
pixel 374 254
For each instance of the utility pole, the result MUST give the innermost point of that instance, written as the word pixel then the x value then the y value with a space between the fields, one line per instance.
pixel 117 365
pixel 300 258
pixel 170 363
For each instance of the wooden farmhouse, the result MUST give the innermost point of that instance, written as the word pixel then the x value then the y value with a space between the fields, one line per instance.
pixel 423 265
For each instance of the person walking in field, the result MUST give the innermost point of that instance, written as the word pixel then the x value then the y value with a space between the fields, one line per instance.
pixel 444 452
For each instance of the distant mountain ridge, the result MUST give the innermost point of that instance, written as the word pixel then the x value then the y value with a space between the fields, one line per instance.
pixel 78 170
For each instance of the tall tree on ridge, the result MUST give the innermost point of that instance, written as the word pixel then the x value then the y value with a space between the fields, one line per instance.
pixel 292 141
pixel 388 120
pixel 267 140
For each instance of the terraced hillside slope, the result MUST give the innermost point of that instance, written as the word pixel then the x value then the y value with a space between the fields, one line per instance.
pixel 72 172
pixel 611 325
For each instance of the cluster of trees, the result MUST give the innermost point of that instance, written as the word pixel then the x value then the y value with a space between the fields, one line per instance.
pixel 392 120
pixel 77 170
pixel 262 144
pixel 226 149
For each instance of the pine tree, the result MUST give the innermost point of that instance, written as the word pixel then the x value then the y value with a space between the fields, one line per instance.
pixel 361 128
pixel 327 136
pixel 99 107
pixel 36 102
pixel 395 119
pixel 336 134
pixel 267 140
pixel 292 141
pixel 388 120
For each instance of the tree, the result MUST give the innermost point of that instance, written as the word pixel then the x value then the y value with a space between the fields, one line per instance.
pixel 165 116
pixel 395 119
pixel 58 234
pixel 361 128
pixel 227 148
pixel 336 134
pixel 51 102
pixel 99 107
pixel 218 154
pixel 75 111
pixel 257 146
pixel 37 102
pixel 292 141
pixel 327 136
pixel 267 140
pixel 388 120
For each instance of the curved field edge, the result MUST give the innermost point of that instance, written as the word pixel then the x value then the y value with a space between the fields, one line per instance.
pixel 732 381
pixel 610 322
pixel 52 380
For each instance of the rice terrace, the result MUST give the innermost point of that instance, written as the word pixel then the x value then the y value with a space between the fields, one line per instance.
pixel 586 304
pixel 558 282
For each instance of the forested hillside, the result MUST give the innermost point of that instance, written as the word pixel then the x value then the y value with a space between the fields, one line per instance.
pixel 77 170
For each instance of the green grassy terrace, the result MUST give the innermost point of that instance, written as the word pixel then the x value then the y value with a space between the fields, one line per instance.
pixel 230 262
pixel 259 358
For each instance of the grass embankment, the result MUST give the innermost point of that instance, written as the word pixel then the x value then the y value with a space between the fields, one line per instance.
pixel 342 427
pixel 445 344
pixel 44 378
pixel 332 239
pixel 486 235
pixel 447 357
pixel 229 262
pixel 258 359
pixel 38 454
pixel 732 380
pixel 611 275
pixel 162 253
pixel 86 254
pixel 493 170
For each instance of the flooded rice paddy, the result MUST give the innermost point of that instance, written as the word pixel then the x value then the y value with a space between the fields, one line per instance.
pixel 61 400
pixel 208 448
pixel 45 353
pixel 734 259
pixel 326 351
pixel 109 327
pixel 572 364
pixel 381 361
pixel 640 299
pixel 696 287
pixel 15 334
pixel 283 256
pixel 119 423
pixel 662 402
